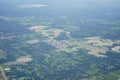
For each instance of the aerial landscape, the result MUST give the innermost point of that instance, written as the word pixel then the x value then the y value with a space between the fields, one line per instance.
pixel 60 40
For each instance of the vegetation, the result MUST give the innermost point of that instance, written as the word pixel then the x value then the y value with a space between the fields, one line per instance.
pixel 50 63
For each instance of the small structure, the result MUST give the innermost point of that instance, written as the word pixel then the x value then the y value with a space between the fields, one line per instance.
pixel 7 69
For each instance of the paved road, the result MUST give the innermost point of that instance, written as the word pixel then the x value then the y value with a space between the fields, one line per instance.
pixel 2 74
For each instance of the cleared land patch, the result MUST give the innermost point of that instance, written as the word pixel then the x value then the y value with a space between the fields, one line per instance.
pixel 34 41
pixel 116 49
pixel 20 60
pixel 2 54
pixel 95 45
